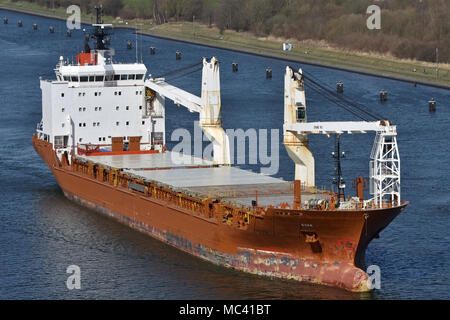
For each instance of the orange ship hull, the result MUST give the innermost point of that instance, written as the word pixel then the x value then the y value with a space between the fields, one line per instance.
pixel 324 247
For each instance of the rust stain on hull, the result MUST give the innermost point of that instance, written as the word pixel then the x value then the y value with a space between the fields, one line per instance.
pixel 323 247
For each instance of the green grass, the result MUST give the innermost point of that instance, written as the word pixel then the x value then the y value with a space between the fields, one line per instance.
pixel 231 39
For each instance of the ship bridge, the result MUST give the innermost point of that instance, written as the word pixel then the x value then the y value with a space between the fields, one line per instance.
pixel 102 74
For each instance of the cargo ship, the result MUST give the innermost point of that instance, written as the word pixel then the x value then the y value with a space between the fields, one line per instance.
pixel 102 135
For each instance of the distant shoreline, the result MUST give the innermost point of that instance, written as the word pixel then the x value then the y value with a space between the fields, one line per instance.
pixel 255 52
pixel 296 60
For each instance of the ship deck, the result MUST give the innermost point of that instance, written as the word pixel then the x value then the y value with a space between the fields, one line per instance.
pixel 200 177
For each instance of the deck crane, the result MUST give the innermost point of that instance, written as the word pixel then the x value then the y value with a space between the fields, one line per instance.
pixel 384 165
pixel 208 106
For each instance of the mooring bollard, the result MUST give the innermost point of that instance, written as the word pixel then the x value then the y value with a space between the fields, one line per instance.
pixel 235 67
pixel 383 96
pixel 340 87
pixel 432 105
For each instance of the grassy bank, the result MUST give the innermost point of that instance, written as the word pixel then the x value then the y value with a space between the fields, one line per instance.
pixel 312 52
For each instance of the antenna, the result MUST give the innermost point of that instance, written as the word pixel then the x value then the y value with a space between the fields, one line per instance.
pixel 136 42
pixel 142 58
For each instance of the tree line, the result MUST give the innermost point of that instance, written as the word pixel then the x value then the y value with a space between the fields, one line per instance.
pixel 409 28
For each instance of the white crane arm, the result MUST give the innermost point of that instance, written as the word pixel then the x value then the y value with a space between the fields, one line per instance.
pixel 177 95
pixel 350 127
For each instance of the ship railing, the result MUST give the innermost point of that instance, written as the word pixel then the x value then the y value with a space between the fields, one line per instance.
pixel 88 149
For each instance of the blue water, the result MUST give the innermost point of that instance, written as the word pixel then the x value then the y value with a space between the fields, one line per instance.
pixel 42 232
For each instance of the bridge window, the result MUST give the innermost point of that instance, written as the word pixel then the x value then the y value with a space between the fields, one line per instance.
pixel 139 76
pixel 99 78
pixel 116 77
pixel 91 78
pixel 124 77
pixel 74 78
pixel 131 76
pixel 84 79
pixel 301 113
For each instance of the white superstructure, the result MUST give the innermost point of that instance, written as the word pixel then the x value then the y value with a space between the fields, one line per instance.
pixel 93 101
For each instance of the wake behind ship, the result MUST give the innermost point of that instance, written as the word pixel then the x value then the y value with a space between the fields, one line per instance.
pixel 102 135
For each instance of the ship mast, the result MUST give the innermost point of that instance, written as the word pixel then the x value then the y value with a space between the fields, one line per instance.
pixel 99 29
pixel 338 180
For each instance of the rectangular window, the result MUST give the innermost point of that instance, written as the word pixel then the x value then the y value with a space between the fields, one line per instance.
pixel 99 78
pixel 301 114
pixel 74 78
pixel 116 77
pixel 124 77
pixel 139 76
pixel 91 78
pixel 84 79
pixel 131 76
pixel 66 78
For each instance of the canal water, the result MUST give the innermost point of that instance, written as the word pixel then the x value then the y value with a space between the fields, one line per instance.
pixel 42 232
